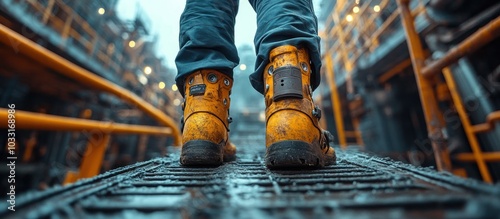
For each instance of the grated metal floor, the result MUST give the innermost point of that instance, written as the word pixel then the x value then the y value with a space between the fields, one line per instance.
pixel 360 186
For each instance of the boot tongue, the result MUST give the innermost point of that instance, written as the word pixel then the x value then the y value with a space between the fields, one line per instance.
pixel 198 79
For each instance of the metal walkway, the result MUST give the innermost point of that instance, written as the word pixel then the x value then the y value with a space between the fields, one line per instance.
pixel 358 186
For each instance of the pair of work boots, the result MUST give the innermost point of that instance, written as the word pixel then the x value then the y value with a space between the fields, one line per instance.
pixel 293 136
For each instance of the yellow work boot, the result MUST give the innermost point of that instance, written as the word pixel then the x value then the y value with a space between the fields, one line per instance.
pixel 206 119
pixel 293 136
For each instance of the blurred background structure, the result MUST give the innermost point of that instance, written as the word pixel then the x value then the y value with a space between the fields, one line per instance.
pixel 417 81
pixel 90 37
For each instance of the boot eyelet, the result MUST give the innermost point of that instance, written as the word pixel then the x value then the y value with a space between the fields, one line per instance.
pixel 316 112
pixel 270 70
pixel 226 81
pixel 191 80
pixel 224 101
pixel 267 88
pixel 304 66
pixel 212 78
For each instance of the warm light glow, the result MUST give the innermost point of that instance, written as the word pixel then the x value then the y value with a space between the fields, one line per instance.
pixel 357 2
pixel 101 11
pixel 243 67
pixel 355 9
pixel 349 18
pixel 148 70
pixel 131 44
pixel 161 85
pixel 174 87
pixel 177 102
pixel 376 8
pixel 143 79
pixel 262 116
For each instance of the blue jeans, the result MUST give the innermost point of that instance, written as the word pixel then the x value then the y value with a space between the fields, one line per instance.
pixel 207 36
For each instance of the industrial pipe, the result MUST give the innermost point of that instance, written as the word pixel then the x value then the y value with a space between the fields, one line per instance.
pixel 477 40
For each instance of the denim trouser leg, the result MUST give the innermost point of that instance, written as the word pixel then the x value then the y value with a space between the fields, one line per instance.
pixel 206 38
pixel 285 22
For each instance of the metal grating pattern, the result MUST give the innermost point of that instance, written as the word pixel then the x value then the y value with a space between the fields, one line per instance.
pixel 359 185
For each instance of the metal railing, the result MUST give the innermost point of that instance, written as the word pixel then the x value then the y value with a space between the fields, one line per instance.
pixel 356 34
pixel 90 165
pixel 346 41
pixel 58 16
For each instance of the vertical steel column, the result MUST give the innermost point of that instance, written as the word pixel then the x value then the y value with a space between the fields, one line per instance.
pixel 348 66
pixel 336 106
pixel 432 113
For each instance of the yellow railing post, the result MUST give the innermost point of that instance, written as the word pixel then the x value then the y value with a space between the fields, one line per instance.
pixel 48 11
pixel 336 104
pixel 94 154
pixel 67 27
pixel 432 113
pixel 71 177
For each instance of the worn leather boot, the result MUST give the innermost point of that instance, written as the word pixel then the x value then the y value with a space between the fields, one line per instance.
pixel 206 119
pixel 293 136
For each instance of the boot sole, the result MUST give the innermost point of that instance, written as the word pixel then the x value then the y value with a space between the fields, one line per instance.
pixel 201 153
pixel 295 154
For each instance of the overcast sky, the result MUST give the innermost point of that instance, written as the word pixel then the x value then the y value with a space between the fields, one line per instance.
pixel 165 14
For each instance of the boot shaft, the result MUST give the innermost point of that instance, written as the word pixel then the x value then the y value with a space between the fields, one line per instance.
pixel 208 91
pixel 288 75
pixel 206 119
pixel 293 135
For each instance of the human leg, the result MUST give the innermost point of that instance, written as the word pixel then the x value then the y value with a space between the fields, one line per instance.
pixel 284 22
pixel 205 63
pixel 287 71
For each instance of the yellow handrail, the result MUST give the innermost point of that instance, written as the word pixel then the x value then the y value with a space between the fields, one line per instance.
pixel 39 121
pixel 62 66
